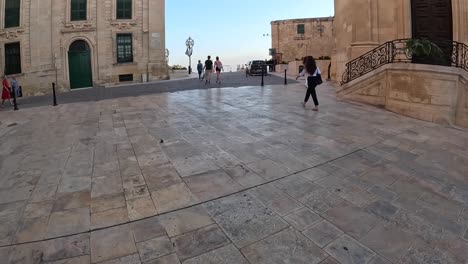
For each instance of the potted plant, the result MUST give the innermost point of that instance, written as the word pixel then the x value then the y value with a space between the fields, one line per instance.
pixel 423 48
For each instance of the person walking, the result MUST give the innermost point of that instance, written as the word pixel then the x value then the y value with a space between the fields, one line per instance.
pixel 218 68
pixel 199 69
pixel 15 87
pixel 311 71
pixel 208 70
pixel 6 91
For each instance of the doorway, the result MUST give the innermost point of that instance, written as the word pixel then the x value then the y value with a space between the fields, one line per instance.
pixel 432 19
pixel 79 64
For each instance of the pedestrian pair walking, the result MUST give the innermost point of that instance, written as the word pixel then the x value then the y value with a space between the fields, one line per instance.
pixel 210 68
pixel 314 78
pixel 7 90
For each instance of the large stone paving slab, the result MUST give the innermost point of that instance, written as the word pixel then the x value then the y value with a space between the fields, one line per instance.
pixel 287 246
pixel 349 251
pixel 65 248
pixel 225 255
pixel 323 233
pixel 352 220
pixel 105 163
pixel 186 220
pixel 69 222
pixel 389 241
pixel 199 241
pixel 112 243
pixel 244 219
pixel 209 185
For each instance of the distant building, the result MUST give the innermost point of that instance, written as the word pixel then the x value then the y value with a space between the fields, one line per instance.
pixel 82 43
pixel 294 39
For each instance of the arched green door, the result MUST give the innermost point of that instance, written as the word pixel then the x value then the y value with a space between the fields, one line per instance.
pixel 79 64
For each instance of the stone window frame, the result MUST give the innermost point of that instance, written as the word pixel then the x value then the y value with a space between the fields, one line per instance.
pixel 68 12
pixel 114 11
pixel 115 57
pixel 3 52
pixel 64 64
pixel 303 29
pixel 86 13
pixel 2 15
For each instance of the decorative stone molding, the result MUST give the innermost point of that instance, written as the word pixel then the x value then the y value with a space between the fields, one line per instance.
pixel 11 33
pixel 122 25
pixel 301 37
pixel 78 26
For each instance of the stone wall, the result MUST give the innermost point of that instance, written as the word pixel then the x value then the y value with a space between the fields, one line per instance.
pixel 431 93
pixel 46 33
pixel 291 45
pixel 361 25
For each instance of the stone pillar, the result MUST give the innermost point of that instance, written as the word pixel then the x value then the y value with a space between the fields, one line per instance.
pixel 362 25
pixel 355 32
pixel 460 20
pixel 364 21
pixel 403 19
pixel 157 40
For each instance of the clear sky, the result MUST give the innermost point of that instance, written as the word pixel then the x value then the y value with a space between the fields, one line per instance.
pixel 232 30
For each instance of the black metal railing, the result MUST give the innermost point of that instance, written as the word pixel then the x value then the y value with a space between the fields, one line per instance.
pixel 460 55
pixel 456 55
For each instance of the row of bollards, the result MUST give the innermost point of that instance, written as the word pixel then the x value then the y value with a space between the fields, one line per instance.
pixel 15 103
pixel 54 94
pixel 285 77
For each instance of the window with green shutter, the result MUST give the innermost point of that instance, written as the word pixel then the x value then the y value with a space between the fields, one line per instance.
pixel 12 58
pixel 12 13
pixel 124 48
pixel 124 9
pixel 78 10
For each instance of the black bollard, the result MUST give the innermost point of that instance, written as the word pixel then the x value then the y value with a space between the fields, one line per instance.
pixel 14 101
pixel 262 79
pixel 285 77
pixel 55 96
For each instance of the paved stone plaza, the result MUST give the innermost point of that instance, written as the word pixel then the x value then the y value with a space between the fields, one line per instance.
pixel 230 176
pixel 231 79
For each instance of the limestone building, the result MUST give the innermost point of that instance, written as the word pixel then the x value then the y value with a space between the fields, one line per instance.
pixel 296 38
pixel 374 65
pixel 81 43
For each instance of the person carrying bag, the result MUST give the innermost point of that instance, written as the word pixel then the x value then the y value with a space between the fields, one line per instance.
pixel 314 78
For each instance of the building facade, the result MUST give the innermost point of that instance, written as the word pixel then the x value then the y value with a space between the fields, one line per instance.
pixel 296 38
pixel 362 25
pixel 370 37
pixel 82 43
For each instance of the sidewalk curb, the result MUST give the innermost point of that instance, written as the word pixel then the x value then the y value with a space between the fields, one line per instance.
pixel 151 82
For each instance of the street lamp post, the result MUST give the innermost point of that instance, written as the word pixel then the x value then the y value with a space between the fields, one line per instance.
pixel 272 53
pixel 189 43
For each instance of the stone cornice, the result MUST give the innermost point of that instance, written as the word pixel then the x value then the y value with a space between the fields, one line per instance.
pixel 303 20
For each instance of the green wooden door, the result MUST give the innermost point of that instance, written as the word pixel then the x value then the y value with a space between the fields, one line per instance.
pixel 79 64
